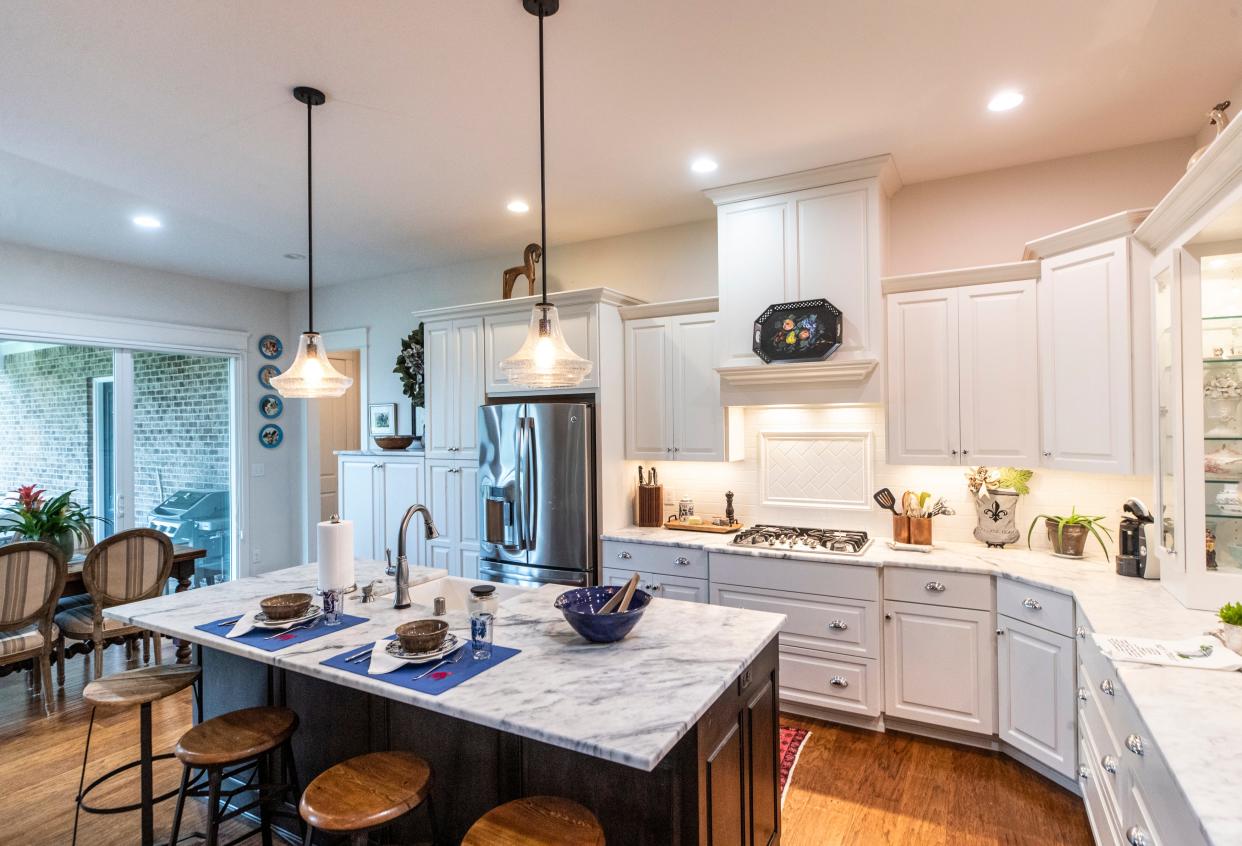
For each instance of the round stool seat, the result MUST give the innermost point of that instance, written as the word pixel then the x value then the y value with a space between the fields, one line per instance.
pixel 536 821
pixel 236 736
pixel 141 686
pixel 366 792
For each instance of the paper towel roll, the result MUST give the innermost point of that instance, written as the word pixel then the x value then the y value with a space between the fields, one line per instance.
pixel 336 555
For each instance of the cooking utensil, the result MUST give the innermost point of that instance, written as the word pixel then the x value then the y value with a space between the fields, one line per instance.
pixel 908 504
pixel 452 659
pixel 630 586
pixel 611 605
pixel 885 499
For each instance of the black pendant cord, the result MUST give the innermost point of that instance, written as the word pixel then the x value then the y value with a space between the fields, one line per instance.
pixel 310 231
pixel 543 191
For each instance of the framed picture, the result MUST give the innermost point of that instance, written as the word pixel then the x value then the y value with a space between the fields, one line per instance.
pixel 270 347
pixel 383 418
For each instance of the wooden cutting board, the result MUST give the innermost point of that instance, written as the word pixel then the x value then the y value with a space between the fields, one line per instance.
pixel 701 527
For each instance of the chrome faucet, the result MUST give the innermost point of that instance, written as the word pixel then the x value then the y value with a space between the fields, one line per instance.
pixel 402 597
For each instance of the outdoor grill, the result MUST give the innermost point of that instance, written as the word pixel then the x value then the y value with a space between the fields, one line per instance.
pixel 199 519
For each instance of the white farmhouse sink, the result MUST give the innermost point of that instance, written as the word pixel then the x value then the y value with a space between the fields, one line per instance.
pixel 456 592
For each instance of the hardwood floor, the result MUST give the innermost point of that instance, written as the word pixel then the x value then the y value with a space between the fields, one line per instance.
pixel 869 789
pixel 851 786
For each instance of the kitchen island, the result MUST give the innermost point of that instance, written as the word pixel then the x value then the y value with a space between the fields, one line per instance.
pixel 669 737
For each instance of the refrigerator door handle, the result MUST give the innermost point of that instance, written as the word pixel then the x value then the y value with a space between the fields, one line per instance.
pixel 526 462
pixel 523 484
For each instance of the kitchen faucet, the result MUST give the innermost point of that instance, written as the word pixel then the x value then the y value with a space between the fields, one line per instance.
pixel 402 597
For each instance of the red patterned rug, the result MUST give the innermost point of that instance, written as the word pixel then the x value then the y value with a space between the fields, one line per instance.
pixel 792 740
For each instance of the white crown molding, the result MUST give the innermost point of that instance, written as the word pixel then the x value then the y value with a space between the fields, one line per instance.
pixel 961 277
pixel 803 372
pixel 673 308
pixel 606 296
pixel 67 327
pixel 1217 173
pixel 1117 225
pixel 882 168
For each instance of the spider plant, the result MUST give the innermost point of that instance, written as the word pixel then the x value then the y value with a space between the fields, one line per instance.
pixel 1093 524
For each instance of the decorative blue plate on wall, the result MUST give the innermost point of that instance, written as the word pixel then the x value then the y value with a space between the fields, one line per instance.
pixel 271 435
pixel 266 372
pixel 271 406
pixel 809 330
pixel 270 347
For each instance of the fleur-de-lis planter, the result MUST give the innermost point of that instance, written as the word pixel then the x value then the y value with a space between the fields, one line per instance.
pixel 997 514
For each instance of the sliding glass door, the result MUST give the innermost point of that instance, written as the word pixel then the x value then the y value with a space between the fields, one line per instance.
pixel 143 438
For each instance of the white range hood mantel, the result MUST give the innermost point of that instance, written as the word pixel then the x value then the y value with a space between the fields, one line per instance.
pixel 805 372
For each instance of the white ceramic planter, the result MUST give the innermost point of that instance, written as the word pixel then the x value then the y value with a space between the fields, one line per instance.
pixel 1232 636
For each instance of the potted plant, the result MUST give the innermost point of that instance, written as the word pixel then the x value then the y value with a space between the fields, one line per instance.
pixel 996 502
pixel 1068 535
pixel 59 521
pixel 1231 628
pixel 410 369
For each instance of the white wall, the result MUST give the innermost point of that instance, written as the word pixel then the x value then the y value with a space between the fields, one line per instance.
pixel 38 278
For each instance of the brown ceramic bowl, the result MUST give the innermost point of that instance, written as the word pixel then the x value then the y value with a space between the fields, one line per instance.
pixel 286 606
pixel 393 441
pixel 422 635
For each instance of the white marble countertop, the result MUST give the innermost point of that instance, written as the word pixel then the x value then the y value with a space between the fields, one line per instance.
pixel 387 453
pixel 1194 716
pixel 629 702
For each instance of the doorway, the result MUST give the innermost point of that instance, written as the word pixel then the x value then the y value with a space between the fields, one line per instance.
pixel 340 423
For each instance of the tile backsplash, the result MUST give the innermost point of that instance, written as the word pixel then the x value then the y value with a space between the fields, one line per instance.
pixel 818 466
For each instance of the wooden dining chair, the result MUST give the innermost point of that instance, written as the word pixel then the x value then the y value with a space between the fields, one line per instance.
pixel 32 576
pixel 127 567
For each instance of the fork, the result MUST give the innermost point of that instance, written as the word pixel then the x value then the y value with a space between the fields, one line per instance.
pixel 231 622
pixel 359 657
pixel 457 656
pixel 291 629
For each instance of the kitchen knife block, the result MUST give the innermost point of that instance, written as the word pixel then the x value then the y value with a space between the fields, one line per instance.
pixel 650 506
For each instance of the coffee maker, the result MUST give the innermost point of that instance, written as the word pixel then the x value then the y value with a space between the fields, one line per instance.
pixel 1132 542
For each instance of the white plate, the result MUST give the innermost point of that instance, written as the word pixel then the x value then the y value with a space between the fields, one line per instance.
pixel 261 621
pixel 393 648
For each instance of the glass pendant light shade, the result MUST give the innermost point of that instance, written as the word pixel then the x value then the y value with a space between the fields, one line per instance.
pixel 545 360
pixel 311 376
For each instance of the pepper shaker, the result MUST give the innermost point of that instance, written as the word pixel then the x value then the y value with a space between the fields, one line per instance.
pixel 729 507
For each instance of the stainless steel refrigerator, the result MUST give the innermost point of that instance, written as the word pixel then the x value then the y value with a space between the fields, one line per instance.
pixel 537 497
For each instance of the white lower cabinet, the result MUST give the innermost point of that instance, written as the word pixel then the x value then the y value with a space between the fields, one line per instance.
pixel 1035 679
pixel 453 499
pixel 661 585
pixel 825 680
pixel 939 666
pixel 374 492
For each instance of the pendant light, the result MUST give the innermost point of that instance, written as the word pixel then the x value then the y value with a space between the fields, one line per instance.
pixel 544 360
pixel 311 376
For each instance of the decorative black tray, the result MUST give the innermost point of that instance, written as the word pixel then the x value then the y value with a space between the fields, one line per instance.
pixel 809 330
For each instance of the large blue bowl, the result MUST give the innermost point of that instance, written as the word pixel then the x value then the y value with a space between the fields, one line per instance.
pixel 579 607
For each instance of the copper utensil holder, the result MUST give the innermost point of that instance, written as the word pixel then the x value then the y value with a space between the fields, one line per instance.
pixel 901 528
pixel 920 531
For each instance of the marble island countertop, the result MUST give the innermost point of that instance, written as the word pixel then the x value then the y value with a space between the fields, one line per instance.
pixel 629 702
pixel 1194 716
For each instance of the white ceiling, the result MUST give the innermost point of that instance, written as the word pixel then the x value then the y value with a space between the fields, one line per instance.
pixel 182 108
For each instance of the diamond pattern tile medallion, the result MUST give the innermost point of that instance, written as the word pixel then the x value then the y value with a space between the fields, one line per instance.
pixel 816 469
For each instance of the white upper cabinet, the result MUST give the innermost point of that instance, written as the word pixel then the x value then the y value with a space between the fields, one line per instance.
pixel 801 237
pixel 962 365
pixel 454 371
pixel 672 391
pixel 1084 359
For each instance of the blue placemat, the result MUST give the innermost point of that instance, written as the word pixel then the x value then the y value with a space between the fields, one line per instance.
pixel 262 638
pixel 446 678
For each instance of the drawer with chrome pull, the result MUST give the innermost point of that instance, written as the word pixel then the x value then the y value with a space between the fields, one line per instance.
pixel 829 623
pixel 1035 605
pixel 937 587
pixel 656 558
pixel 830 681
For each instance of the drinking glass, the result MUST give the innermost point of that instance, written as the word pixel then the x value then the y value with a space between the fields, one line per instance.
pixel 332 607
pixel 481 634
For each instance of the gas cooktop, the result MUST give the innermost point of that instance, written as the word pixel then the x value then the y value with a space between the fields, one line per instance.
pixel 794 539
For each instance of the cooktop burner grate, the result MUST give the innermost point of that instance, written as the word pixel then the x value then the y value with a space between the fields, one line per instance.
pixel 795 539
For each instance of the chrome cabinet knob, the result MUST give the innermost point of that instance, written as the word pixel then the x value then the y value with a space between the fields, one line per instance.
pixel 1109 763
pixel 676 449
pixel 952 452
pixel 1136 836
pixel 624 555
pixel 681 561
pixel 1106 687
pixel 838 681
pixel 1083 772
pixel 838 625
pixel 1135 744
pixel 965 452
pixel 934 587
pixel 1080 632
pixel 1000 632
pixel 1048 454
pixel 1082 694
pixel 1031 603
pixel 653 588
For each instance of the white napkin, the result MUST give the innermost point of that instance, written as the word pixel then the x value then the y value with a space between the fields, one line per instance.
pixel 247 622
pixel 381 662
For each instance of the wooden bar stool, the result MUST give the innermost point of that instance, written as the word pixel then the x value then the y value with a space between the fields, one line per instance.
pixel 366 792
pixel 138 687
pixel 227 747
pixel 536 821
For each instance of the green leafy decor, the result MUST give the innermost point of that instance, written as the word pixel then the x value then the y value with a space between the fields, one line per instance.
pixel 59 520
pixel 1231 613
pixel 410 367
pixel 1015 479
pixel 1093 524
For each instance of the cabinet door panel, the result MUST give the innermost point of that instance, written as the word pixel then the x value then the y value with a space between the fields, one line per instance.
pixel 468 387
pixel 762 734
pixel 505 333
pixel 923 378
pixel 675 587
pixel 469 563
pixel 1035 675
pixel 726 790
pixel 444 498
pixel 1084 351
pixel 439 351
pixel 939 666
pixel 832 258
pixel 403 487
pixel 756 268
pixel 698 419
pixel 998 376
pixel 648 415
pixel 358 503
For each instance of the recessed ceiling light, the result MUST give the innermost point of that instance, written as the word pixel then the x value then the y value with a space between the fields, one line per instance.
pixel 518 206
pixel 1003 101
pixel 295 256
pixel 703 164
pixel 146 221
